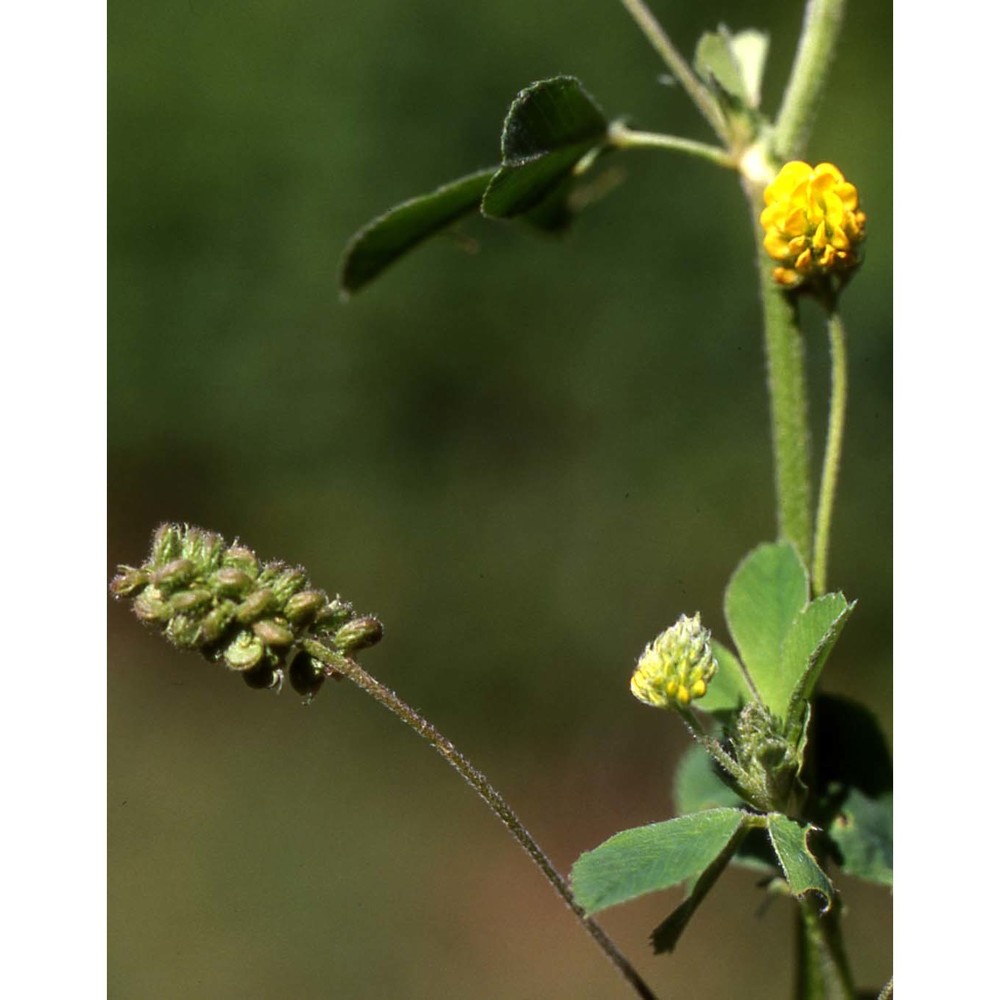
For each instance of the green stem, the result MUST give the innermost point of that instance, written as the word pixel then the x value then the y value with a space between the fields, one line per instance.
pixel 786 383
pixel 822 972
pixel 622 137
pixel 338 664
pixel 834 444
pixel 677 65
pixel 712 746
pixel 817 40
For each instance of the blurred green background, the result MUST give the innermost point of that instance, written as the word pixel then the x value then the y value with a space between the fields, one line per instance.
pixel 528 461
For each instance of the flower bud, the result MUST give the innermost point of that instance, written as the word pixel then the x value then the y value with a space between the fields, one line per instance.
pixel 676 666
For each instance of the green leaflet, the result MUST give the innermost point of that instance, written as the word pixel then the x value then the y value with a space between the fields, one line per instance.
pixel 790 841
pixel 385 239
pixel 783 638
pixel 549 128
pixel 649 858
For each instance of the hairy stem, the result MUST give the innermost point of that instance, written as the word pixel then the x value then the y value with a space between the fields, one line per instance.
pixel 834 444
pixel 817 40
pixel 786 383
pixel 677 65
pixel 339 664
pixel 622 137
pixel 822 973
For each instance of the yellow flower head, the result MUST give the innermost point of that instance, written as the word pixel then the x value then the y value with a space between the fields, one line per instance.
pixel 676 666
pixel 812 224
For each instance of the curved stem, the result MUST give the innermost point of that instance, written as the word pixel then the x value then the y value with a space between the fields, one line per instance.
pixel 622 137
pixel 336 664
pixel 677 65
pixel 820 30
pixel 834 444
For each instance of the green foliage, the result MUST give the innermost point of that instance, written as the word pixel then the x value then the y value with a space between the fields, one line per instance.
pixel 698 785
pixel 649 858
pixel 853 776
pixel 783 637
pixel 553 131
pixel 734 62
pixel 728 689
pixel 549 128
pixel 765 594
pixel 806 647
pixel 387 238
pixel 862 832
pixel 803 874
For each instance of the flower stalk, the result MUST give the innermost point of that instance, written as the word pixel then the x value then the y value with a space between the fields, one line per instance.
pixel 834 445
pixel 338 665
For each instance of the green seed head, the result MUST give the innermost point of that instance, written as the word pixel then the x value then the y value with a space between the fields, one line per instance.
pixel 221 601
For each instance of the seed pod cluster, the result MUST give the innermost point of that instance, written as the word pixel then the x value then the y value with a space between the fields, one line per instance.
pixel 223 602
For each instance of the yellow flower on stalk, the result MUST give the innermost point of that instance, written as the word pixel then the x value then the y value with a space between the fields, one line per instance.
pixel 676 666
pixel 812 223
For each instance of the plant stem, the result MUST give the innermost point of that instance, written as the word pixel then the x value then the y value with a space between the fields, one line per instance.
pixel 786 383
pixel 817 40
pixel 623 137
pixel 336 664
pixel 822 973
pixel 834 444
pixel 677 64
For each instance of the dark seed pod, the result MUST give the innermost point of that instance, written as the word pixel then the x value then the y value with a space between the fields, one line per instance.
pixel 305 675
pixel 264 676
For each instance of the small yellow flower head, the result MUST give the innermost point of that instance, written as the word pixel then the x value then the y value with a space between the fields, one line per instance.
pixel 676 666
pixel 812 224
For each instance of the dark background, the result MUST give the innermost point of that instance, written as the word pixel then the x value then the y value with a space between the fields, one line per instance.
pixel 528 461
